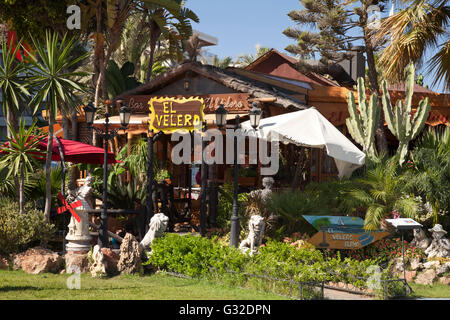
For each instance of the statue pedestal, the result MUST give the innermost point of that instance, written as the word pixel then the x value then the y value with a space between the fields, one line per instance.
pixel 79 238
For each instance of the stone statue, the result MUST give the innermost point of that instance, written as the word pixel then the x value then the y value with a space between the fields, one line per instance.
pixel 79 237
pixel 256 231
pixel 98 266
pixel 420 239
pixel 158 224
pixel 440 246
pixel 265 193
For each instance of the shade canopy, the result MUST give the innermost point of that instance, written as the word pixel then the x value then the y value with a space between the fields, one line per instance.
pixel 77 152
pixel 73 151
pixel 309 128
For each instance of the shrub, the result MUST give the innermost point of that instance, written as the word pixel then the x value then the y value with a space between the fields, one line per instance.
pixel 225 207
pixel 194 255
pixel 17 231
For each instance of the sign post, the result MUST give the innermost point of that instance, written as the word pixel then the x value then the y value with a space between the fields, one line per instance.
pixel 404 224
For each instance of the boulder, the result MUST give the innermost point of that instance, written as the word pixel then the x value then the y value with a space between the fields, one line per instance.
pixel 410 275
pixel 443 268
pixel 38 260
pixel 416 264
pixel 426 278
pixel 130 256
pixel 445 280
pixel 77 262
pixel 431 264
pixel 111 258
pixel 397 266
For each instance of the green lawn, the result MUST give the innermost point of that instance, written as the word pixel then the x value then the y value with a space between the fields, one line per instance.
pixel 20 285
pixel 435 291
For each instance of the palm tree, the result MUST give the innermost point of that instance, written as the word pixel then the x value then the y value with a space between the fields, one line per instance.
pixel 384 191
pixel 410 32
pixel 245 59
pixel 163 16
pixel 56 87
pixel 12 83
pixel 20 155
pixel 222 63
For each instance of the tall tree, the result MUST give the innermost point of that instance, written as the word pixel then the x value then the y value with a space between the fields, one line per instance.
pixel 244 60
pixel 410 33
pixel 57 87
pixel 335 25
pixel 162 17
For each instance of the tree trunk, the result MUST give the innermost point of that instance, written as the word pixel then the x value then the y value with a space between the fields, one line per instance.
pixel 99 53
pixel 74 122
pixel 21 192
pixel 65 125
pixel 155 33
pixel 48 168
pixel 380 135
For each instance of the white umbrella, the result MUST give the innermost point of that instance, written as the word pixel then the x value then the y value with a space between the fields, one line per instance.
pixel 309 128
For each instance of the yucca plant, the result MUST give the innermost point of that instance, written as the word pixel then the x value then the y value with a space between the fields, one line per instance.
pixel 383 191
pixel 20 154
pixel 57 87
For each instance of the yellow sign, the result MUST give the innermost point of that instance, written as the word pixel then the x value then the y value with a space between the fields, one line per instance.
pixel 169 114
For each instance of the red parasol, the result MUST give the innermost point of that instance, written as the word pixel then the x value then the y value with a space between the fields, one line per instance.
pixel 74 151
pixel 77 152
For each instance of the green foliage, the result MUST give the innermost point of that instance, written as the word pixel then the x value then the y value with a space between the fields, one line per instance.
pixel 383 191
pixel 17 231
pixel 119 80
pixel 362 125
pixel 399 120
pixel 225 207
pixel 194 255
pixel 161 175
pixel 429 170
pixel 38 180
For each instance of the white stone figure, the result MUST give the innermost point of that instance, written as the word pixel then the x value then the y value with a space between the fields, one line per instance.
pixel 79 237
pixel 158 224
pixel 98 266
pixel 440 246
pixel 256 231
pixel 265 193
pixel 420 239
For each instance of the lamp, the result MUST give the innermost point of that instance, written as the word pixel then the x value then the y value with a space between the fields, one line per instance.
pixel 125 114
pixel 187 80
pixel 89 113
pixel 221 116
pixel 255 115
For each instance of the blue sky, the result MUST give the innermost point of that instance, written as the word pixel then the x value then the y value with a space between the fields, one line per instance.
pixel 242 24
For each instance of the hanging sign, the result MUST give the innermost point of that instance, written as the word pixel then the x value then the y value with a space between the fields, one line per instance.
pixel 342 232
pixel 170 114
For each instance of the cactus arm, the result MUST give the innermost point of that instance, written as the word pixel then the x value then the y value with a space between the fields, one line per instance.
pixel 354 123
pixel 362 100
pixel 420 117
pixel 387 107
pixel 372 119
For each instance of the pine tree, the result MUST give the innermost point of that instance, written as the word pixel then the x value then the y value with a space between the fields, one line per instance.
pixel 336 24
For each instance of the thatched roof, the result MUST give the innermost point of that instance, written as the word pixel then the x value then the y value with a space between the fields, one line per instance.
pixel 228 78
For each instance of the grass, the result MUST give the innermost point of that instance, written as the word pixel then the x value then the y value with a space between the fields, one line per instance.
pixel 20 285
pixel 437 290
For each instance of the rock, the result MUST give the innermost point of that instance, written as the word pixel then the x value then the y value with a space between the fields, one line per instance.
pixel 431 264
pixel 130 256
pixel 397 266
pixel 443 268
pixel 410 275
pixel 38 260
pixel 445 280
pixel 111 258
pixel 426 278
pixel 4 265
pixel 416 264
pixel 77 262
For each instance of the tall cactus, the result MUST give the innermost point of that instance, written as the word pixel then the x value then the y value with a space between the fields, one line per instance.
pixel 399 121
pixel 362 125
